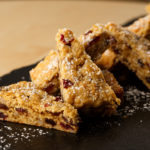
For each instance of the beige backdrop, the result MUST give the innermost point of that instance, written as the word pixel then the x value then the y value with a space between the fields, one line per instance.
pixel 28 28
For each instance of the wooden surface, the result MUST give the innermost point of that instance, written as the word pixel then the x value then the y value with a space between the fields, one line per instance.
pixel 28 28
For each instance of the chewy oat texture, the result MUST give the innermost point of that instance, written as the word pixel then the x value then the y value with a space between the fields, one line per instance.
pixel 23 103
pixel 81 82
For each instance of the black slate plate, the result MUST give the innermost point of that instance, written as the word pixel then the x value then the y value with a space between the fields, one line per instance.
pixel 130 130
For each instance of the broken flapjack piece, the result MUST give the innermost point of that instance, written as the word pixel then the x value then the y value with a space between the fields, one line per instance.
pixel 81 82
pixel 97 42
pixel 130 49
pixel 23 103
pixel 45 74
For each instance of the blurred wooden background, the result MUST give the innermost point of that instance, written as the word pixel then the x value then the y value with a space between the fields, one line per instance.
pixel 28 28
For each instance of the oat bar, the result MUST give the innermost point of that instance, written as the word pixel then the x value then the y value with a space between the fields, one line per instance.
pixel 81 82
pixel 23 103
pixel 130 49
pixel 106 58
pixel 45 74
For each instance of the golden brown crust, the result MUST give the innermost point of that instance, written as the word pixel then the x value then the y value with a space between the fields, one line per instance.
pixel 23 103
pixel 81 81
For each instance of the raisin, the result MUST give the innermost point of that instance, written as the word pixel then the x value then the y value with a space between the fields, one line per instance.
pixel 3 106
pixel 67 83
pixel 148 79
pixel 140 62
pixel 21 110
pixel 58 98
pixel 50 121
pixel 56 113
pixel 3 116
pixel 62 38
pixel 88 32
pixel 66 126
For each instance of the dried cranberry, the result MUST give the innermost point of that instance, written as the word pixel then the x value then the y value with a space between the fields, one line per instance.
pixel 21 110
pixel 50 121
pixel 3 106
pixel 46 105
pixel 148 79
pixel 140 62
pixel 67 83
pixel 3 116
pixel 56 113
pixel 58 98
pixel 90 31
pixel 62 38
pixel 66 126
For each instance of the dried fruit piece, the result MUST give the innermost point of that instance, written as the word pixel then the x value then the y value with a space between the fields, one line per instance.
pixel 58 98
pixel 3 106
pixel 88 87
pixel 67 83
pixel 66 41
pixel 50 121
pixel 21 110
pixel 66 126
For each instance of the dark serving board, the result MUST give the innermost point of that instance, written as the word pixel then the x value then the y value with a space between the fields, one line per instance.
pixel 129 130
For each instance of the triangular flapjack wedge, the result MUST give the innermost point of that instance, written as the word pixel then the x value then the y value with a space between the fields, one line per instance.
pixel 23 103
pixel 82 83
